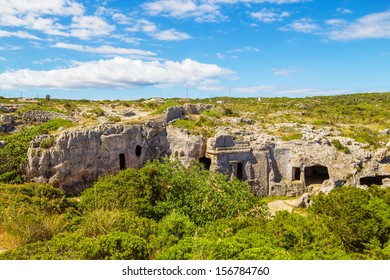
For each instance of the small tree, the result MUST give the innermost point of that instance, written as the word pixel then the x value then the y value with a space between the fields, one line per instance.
pixel 47 97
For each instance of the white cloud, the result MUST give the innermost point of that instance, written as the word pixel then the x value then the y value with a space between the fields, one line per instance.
pixel 42 7
pixel 244 49
pixel 335 22
pixel 7 47
pixel 143 25
pixel 105 50
pixel 114 73
pixel 19 34
pixel 200 10
pixel 2 58
pixel 372 26
pixel 151 29
pixel 48 60
pixel 267 16
pixel 85 27
pixel 304 25
pixel 121 18
pixel 171 35
pixel 205 10
pixel 46 16
pixel 344 11
pixel 286 72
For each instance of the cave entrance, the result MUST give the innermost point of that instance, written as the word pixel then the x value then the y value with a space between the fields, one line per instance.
pixel 206 162
pixel 372 180
pixel 316 174
pixel 138 150
pixel 122 162
pixel 296 174
pixel 240 169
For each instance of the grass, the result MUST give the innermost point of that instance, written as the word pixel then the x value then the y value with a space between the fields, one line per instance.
pixel 340 147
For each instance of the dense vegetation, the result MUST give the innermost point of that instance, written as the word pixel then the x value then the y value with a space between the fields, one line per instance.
pixel 165 211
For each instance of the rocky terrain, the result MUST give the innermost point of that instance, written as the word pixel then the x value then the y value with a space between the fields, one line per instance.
pixel 275 158
pixel 273 167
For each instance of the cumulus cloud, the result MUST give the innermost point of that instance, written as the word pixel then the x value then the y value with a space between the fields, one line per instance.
pixel 267 16
pixel 47 17
pixel 85 27
pixel 372 26
pixel 48 7
pixel 304 25
pixel 206 10
pixel 151 29
pixel 200 10
pixel 114 73
pixel 171 35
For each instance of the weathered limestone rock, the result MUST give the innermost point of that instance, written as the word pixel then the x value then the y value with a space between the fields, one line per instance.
pixel 195 109
pixel 74 159
pixel 79 157
pixel 42 116
pixel 7 122
pixel 304 201
pixel 174 113
pixel 184 146
pixel 386 182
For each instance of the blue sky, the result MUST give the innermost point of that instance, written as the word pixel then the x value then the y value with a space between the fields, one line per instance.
pixel 131 49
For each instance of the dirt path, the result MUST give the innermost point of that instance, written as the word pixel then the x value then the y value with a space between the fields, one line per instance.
pixel 279 205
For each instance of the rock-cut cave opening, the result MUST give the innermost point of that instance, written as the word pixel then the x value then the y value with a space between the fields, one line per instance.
pixel 316 174
pixel 206 162
pixel 122 162
pixel 372 180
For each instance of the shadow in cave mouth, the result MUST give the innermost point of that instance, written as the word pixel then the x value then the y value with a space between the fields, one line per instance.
pixel 316 174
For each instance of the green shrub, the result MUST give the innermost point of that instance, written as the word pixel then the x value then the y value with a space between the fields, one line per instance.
pixel 114 118
pixel 340 147
pixel 47 143
pixel 292 136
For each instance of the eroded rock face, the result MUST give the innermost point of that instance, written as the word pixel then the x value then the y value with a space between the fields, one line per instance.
pixel 42 116
pixel 74 159
pixel 274 167
pixel 78 157
pixel 7 122
pixel 184 146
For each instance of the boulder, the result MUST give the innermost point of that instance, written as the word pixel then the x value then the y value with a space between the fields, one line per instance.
pixel 304 201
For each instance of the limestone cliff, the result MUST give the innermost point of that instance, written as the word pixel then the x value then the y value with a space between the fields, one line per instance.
pixel 75 158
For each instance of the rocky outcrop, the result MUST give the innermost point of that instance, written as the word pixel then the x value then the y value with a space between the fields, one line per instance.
pixel 274 167
pixel 7 122
pixel 42 116
pixel 78 157
pixel 183 146
pixel 74 159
